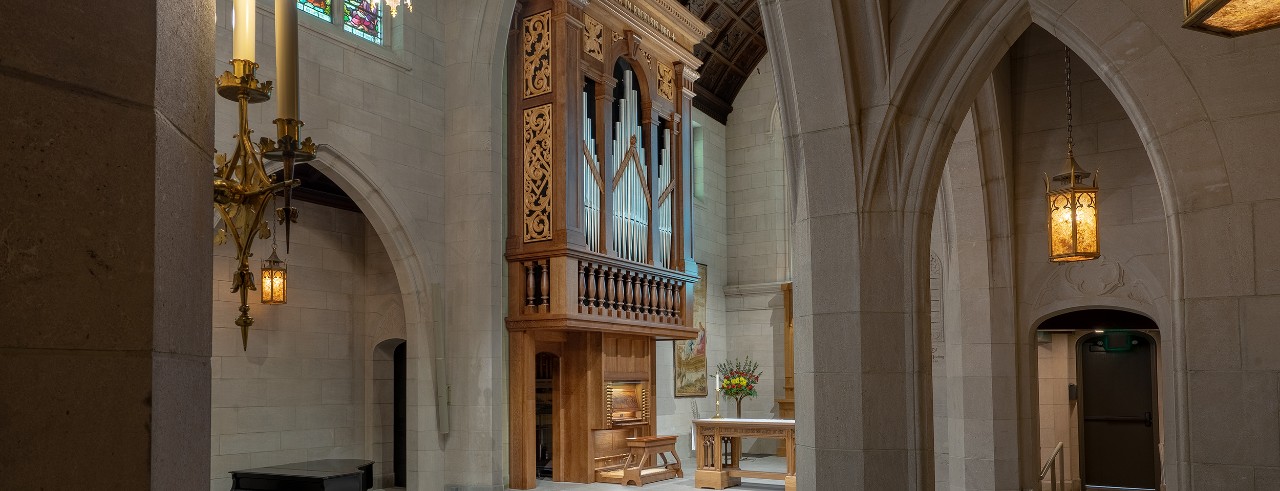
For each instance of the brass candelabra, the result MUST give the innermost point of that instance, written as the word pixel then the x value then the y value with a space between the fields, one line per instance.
pixel 242 188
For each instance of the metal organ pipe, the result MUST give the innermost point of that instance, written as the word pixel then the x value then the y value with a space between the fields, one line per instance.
pixel 630 212
pixel 590 188
pixel 662 256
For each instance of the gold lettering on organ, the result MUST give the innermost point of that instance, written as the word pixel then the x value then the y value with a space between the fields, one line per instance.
pixel 666 82
pixel 648 19
pixel 537 173
pixel 593 38
pixel 537 54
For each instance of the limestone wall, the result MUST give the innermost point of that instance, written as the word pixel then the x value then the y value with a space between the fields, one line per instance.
pixel 305 389
pixel 758 240
pixel 710 208
pixel 1133 272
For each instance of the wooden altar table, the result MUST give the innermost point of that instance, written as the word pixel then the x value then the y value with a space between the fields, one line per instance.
pixel 720 450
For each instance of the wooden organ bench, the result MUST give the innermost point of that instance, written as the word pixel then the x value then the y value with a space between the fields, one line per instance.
pixel 641 466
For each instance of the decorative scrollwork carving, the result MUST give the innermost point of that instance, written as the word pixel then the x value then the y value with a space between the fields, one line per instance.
pixel 667 81
pixel 593 38
pixel 537 54
pixel 537 173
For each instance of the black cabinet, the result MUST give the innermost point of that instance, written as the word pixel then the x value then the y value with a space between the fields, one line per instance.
pixel 314 475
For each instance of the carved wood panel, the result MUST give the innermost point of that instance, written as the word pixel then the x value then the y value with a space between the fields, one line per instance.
pixel 667 82
pixel 537 173
pixel 536 42
pixel 593 38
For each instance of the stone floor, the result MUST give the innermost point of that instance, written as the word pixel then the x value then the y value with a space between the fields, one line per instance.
pixel 764 463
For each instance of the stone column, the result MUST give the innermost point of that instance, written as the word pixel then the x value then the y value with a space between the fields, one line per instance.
pixel 105 241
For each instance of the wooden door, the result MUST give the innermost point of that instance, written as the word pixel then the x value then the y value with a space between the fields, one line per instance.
pixel 1118 434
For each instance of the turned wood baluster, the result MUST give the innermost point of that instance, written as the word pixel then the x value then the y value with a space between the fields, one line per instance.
pixel 668 299
pixel 675 300
pixel 649 297
pixel 528 287
pixel 610 300
pixel 644 296
pixel 582 286
pixel 631 293
pixel 678 295
pixel 545 267
pixel 658 302
pixel 597 288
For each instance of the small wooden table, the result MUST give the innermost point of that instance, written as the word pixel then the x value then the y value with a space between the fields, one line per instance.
pixel 642 467
pixel 720 450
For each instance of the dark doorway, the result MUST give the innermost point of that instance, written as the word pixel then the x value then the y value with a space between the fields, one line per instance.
pixel 1118 432
pixel 399 417
pixel 548 367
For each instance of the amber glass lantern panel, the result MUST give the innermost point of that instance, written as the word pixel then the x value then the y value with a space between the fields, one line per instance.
pixel 274 276
pixel 1231 18
pixel 1073 224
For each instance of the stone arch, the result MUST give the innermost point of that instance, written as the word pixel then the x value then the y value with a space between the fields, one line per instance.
pixel 411 271
pixel 963 43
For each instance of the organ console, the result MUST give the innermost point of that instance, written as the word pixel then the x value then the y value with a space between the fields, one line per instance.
pixel 600 235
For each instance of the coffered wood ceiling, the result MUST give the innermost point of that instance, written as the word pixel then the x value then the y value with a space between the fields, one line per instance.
pixel 729 54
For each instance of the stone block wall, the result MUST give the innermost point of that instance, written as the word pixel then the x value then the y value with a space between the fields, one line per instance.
pixel 304 389
pixel 758 241
pixel 675 414
pixel 378 112
pixel 1133 272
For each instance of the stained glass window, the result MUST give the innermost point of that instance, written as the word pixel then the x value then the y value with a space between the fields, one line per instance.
pixel 363 18
pixel 319 8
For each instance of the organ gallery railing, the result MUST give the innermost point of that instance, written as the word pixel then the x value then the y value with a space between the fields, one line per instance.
pixel 595 289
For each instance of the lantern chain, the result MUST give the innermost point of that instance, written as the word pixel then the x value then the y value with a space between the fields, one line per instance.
pixel 1066 52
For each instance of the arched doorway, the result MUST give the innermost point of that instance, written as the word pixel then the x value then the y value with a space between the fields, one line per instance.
pixel 546 391
pixel 1106 409
pixel 390 412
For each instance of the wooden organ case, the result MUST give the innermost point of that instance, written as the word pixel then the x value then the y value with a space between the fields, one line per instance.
pixel 600 236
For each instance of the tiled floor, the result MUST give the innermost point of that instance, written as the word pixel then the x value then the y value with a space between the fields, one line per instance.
pixel 769 464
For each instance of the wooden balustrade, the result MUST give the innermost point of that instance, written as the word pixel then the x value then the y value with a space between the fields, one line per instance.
pixel 599 288
pixel 615 291
pixel 537 290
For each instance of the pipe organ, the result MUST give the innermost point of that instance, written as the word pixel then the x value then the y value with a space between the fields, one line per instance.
pixel 600 233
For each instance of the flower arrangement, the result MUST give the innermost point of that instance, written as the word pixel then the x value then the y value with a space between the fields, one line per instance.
pixel 738 379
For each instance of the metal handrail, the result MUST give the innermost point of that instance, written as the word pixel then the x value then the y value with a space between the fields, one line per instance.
pixel 1056 468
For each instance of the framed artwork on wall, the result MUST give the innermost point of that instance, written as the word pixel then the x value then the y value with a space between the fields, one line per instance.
pixel 691 354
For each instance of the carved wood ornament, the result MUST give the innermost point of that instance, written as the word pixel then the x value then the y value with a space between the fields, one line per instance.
pixel 667 82
pixel 593 38
pixel 537 173
pixel 537 54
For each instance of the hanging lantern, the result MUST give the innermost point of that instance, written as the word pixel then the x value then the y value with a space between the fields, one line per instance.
pixel 1073 214
pixel 1231 18
pixel 1073 203
pixel 273 279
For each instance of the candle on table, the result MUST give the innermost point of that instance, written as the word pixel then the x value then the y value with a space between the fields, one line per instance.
pixel 242 23
pixel 287 59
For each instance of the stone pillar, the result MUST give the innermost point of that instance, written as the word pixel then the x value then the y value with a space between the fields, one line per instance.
pixel 105 241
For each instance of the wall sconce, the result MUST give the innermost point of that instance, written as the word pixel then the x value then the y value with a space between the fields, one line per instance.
pixel 1231 18
pixel 1073 204
pixel 392 4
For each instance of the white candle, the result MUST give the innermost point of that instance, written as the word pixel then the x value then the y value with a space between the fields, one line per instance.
pixel 242 21
pixel 718 385
pixel 287 59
